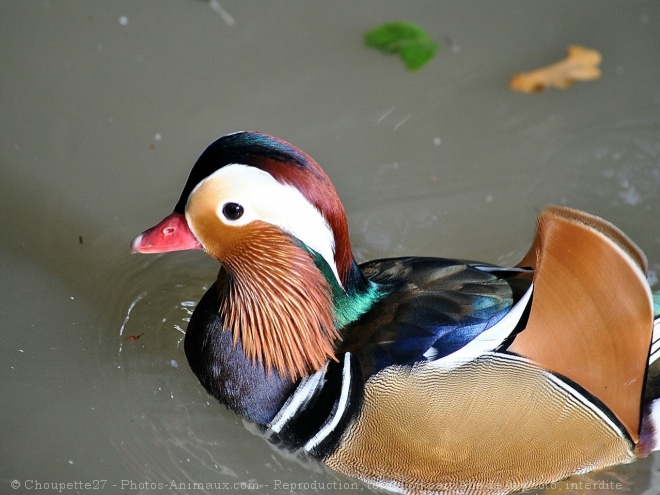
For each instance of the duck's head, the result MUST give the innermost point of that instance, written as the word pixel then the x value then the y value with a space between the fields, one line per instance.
pixel 271 216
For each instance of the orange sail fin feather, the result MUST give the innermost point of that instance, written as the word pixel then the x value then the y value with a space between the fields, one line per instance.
pixel 592 313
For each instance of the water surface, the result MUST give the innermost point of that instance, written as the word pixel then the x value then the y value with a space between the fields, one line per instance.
pixel 105 106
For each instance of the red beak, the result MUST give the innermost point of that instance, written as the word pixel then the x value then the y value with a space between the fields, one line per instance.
pixel 171 234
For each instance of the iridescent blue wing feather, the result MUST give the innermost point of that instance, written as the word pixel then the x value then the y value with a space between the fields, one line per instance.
pixel 433 309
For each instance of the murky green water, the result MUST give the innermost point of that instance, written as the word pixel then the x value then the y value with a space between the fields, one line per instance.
pixel 105 106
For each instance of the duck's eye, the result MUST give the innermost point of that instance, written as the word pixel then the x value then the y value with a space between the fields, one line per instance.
pixel 232 211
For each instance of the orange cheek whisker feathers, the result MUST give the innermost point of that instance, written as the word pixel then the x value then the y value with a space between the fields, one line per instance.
pixel 280 324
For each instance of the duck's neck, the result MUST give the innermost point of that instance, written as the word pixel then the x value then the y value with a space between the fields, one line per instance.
pixel 354 297
pixel 269 322
pixel 287 308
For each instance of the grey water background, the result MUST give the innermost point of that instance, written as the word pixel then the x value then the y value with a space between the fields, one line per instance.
pixel 104 107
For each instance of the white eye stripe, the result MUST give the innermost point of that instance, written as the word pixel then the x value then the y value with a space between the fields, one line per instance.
pixel 264 198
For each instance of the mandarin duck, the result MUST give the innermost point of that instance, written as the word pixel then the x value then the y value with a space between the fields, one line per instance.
pixel 414 374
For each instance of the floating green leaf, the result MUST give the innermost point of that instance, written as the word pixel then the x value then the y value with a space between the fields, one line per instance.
pixel 411 42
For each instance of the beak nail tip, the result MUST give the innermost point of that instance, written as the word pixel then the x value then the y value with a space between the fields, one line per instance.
pixel 135 244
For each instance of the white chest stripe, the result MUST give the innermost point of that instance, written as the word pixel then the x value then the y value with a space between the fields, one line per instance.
pixel 297 401
pixel 341 406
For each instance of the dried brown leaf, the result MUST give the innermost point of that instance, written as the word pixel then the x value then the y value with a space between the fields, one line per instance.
pixel 581 64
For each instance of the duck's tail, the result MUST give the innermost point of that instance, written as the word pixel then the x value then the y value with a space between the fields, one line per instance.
pixel 649 439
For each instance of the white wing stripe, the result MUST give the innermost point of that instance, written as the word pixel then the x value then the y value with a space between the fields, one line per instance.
pixel 489 339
